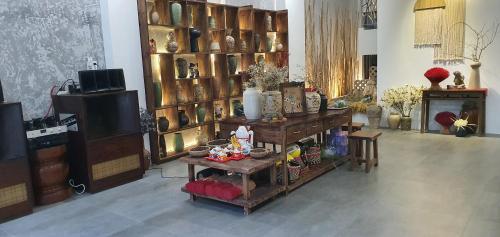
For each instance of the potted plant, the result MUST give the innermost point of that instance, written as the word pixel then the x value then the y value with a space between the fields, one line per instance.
pixel 463 127
pixel 315 100
pixel 403 100
pixel 483 39
pixel 147 125
pixel 268 78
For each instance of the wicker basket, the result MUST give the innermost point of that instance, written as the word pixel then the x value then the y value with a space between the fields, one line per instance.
pixel 293 172
pixel 313 156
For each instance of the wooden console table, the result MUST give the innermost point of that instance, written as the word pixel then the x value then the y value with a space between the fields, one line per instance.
pixel 478 96
pixel 246 168
pixel 290 131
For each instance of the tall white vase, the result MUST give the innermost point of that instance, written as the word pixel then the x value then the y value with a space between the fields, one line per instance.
pixel 252 103
pixel 475 77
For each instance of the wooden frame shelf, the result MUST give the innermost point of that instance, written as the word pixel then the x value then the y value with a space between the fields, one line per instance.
pixel 218 87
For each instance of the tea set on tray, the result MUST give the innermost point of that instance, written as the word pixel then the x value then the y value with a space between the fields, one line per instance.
pixel 239 147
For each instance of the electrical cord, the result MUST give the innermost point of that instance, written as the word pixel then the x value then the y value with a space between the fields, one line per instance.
pixel 72 184
pixel 169 177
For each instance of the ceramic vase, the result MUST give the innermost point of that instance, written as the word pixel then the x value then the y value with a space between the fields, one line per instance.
pixel 183 118
pixel 200 114
pixel 150 6
pixel 163 124
pixel 198 92
pixel 194 34
pixel 176 13
pixel 155 17
pixel 257 42
pixel 272 106
pixel 163 146
pixel 269 23
pixel 211 22
pixel 461 132
pixel 475 78
pixel 394 120
pixel 252 103
pixel 158 93
pixel 178 142
pixel 231 87
pixel 406 123
pixel 238 108
pixel 374 113
pixel 279 46
pixel 230 41
pixel 269 44
pixel 182 67
pixel 232 64
pixel 172 45
pixel 324 103
pixel 243 46
pixel 261 59
pixel 313 102
pixel 214 47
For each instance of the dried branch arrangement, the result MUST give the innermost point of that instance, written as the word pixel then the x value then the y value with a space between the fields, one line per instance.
pixel 331 44
pixel 483 39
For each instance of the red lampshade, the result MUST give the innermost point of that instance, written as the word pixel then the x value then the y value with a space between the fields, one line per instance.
pixel 445 119
pixel 435 76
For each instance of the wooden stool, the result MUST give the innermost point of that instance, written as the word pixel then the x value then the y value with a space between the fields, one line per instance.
pixel 358 145
pixel 355 126
pixel 369 136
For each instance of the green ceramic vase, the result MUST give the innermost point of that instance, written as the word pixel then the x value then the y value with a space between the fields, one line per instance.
pixel 158 93
pixel 176 13
pixel 269 44
pixel 178 142
pixel 200 114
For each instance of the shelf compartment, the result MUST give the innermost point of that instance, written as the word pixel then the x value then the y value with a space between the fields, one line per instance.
pixel 189 135
pixel 217 11
pixel 245 18
pixel 160 35
pixel 282 21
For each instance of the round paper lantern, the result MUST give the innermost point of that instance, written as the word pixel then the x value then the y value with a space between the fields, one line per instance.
pixel 435 76
pixel 445 119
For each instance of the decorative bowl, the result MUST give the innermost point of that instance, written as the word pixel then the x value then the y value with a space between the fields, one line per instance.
pixel 201 151
pixel 259 153
pixel 223 143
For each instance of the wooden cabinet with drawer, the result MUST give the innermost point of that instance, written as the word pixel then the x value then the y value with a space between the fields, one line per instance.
pixel 314 127
pixel 295 133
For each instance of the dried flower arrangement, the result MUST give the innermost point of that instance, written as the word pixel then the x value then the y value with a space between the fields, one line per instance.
pixel 147 121
pixel 266 76
pixel 403 99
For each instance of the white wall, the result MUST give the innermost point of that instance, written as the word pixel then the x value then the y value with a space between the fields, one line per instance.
pixel 400 63
pixel 122 44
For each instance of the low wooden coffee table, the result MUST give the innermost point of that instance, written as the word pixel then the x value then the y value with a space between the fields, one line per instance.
pixel 246 168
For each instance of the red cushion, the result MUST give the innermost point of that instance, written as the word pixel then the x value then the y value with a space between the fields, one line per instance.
pixel 230 193
pixel 210 189
pixel 219 189
pixel 437 74
pixel 445 119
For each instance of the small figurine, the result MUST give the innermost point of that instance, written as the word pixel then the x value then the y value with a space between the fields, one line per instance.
pixel 152 46
pixel 218 113
pixel 459 78
pixel 244 136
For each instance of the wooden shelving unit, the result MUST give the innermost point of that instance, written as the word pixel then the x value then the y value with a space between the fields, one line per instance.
pixel 219 88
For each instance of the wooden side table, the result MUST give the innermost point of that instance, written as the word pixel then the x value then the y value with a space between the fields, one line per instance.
pixel 245 167
pixel 478 96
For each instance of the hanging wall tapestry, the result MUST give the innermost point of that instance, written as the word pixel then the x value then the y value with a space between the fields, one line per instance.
pixel 331 44
pixel 453 33
pixel 429 16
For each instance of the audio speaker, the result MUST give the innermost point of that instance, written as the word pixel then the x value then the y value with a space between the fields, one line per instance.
pixel 1 93
pixel 98 81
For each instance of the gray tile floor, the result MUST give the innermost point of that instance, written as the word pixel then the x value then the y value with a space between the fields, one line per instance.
pixel 427 185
